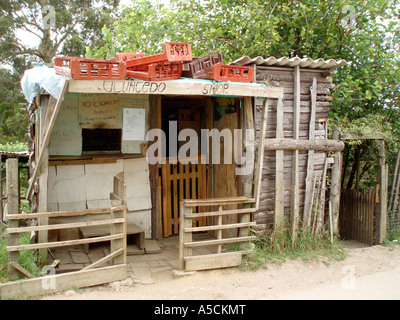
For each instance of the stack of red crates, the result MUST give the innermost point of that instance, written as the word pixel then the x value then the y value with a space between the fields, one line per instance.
pixel 164 66
pixel 176 60
pixel 89 69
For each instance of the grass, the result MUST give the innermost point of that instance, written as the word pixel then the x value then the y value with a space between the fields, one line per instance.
pixel 28 259
pixel 277 247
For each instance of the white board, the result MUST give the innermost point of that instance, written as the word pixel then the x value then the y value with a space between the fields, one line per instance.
pixel 134 124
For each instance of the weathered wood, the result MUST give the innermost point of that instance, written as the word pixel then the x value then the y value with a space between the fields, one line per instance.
pixel 45 142
pixel 213 261
pixel 66 243
pixel 217 201
pixel 12 191
pixel 79 279
pixel 119 228
pixel 304 145
pixel 104 259
pixel 248 146
pixel 336 185
pixel 70 213
pixel 381 210
pixel 188 88
pixel 279 169
pixel 310 161
pixel 362 137
pixel 184 237
pixel 394 193
pixel 295 210
pixel 260 154
pixel 17 267
pixel 220 213
pixel 219 241
pixel 221 227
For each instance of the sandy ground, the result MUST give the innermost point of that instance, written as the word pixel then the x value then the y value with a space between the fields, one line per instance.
pixel 374 272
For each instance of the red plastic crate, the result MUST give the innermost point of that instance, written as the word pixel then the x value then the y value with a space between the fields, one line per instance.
pixel 157 71
pixel 201 67
pixel 89 69
pixel 232 73
pixel 123 56
pixel 173 52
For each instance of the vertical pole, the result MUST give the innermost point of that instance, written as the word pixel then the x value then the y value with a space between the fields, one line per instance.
pixel 184 237
pixel 260 154
pixel 310 161
pixel 279 169
pixel 12 208
pixel 381 209
pixel 43 187
pixel 336 185
pixel 248 146
pixel 119 228
pixel 295 167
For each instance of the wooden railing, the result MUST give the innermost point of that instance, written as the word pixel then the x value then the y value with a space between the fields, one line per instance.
pixel 190 262
pixel 117 237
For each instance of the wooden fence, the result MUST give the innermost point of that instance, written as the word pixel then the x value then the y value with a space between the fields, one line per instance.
pixel 190 262
pixel 89 275
pixel 357 215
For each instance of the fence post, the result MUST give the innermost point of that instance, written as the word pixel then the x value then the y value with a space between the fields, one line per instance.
pixel 381 212
pixel 184 237
pixel 12 208
pixel 118 228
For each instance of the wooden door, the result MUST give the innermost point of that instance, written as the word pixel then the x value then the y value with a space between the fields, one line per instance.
pixel 181 182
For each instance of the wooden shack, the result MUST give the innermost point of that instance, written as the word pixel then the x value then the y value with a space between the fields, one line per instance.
pixel 89 151
pixel 297 149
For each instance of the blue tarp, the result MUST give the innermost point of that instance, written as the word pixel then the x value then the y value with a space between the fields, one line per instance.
pixel 41 77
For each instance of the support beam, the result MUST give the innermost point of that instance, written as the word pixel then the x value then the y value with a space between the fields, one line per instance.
pixel 12 208
pixel 304 145
pixel 279 170
pixel 336 185
pixel 295 200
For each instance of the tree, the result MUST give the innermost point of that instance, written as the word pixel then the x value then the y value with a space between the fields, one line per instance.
pixel 363 32
pixel 52 23
pixel 55 27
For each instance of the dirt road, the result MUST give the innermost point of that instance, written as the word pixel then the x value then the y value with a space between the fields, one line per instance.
pixel 367 273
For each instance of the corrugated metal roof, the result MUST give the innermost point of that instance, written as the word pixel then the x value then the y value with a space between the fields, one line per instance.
pixel 292 62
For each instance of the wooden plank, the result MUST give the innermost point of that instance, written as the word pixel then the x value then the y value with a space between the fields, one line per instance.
pixel 381 209
pixel 184 237
pixel 294 215
pixel 303 145
pixel 218 201
pixel 221 227
pixel 45 142
pixel 260 154
pixel 248 147
pixel 279 169
pixel 213 261
pixel 219 241
pixel 78 279
pixel 187 88
pixel 12 194
pixel 394 193
pixel 219 213
pixel 310 160
pixel 336 185
pixel 119 243
pixel 104 259
pixel 17 267
pixel 69 213
pixel 65 226
pixel 63 243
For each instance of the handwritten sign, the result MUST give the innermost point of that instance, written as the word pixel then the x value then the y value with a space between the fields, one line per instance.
pixel 134 128
pixel 98 111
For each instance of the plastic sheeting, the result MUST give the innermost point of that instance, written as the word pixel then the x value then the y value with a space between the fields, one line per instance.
pixel 41 77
